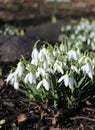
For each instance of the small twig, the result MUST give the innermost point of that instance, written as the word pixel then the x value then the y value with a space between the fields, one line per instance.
pixel 89 109
pixel 82 117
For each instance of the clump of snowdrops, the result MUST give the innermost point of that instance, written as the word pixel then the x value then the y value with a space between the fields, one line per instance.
pixel 84 32
pixel 56 75
pixel 11 30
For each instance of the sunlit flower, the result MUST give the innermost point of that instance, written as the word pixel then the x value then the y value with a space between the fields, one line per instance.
pixel 34 56
pixel 67 81
pixel 30 78
pixel 10 77
pixel 43 54
pixel 35 53
pixel 44 83
pixel 56 52
pixel 41 72
pixel 34 61
pixel 58 67
pixel 74 68
pixel 16 84
pixel 87 68
pixel 68 27
pixel 72 55
pixel 19 70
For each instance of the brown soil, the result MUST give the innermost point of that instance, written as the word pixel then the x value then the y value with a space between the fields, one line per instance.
pixel 34 11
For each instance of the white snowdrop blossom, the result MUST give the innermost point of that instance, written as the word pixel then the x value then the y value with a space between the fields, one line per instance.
pixel 92 34
pixel 19 70
pixel 84 59
pixel 68 27
pixel 34 61
pixel 68 81
pixel 56 53
pixel 42 72
pixel 44 83
pixel 74 68
pixel 30 78
pixel 58 67
pixel 72 55
pixel 43 54
pixel 87 68
pixel 16 84
pixel 35 53
pixel 93 45
pixel 34 56
pixel 12 79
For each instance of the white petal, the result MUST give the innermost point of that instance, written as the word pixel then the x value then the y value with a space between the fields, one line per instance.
pixel 90 75
pixel 87 68
pixel 30 78
pixel 66 80
pixel 10 76
pixel 72 82
pixel 16 85
pixel 75 69
pixel 46 84
pixel 39 84
pixel 20 69
pixel 34 53
pixel 26 78
pixel 61 70
pixel 60 79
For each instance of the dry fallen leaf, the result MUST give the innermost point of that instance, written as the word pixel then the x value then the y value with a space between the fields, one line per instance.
pixel 21 117
pixel 88 103
pixel 54 119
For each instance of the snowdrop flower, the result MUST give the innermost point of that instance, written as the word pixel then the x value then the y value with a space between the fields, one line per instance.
pixel 68 27
pixel 34 61
pixel 85 59
pixel 16 84
pixel 43 54
pixel 74 68
pixel 92 34
pixel 30 78
pixel 19 70
pixel 72 55
pixel 93 45
pixel 78 43
pixel 42 72
pixel 58 67
pixel 67 81
pixel 12 78
pixel 35 53
pixel 88 41
pixel 82 38
pixel 44 83
pixel 47 67
pixel 50 59
pixel 62 47
pixel 34 56
pixel 56 53
pixel 87 68
pixel 72 36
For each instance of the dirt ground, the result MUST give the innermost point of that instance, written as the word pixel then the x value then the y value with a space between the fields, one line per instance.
pixel 36 12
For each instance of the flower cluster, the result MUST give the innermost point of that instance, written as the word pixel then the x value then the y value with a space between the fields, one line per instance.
pixel 63 73
pixel 84 33
pixel 53 72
